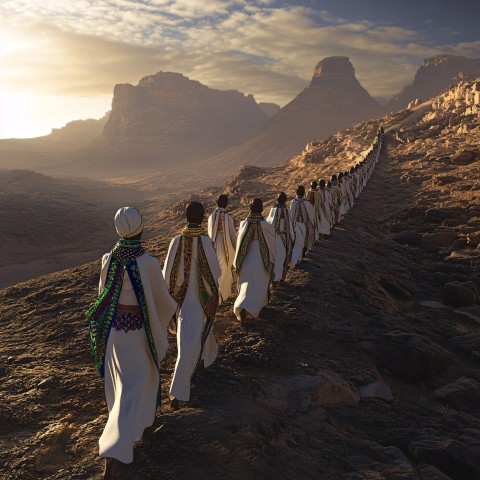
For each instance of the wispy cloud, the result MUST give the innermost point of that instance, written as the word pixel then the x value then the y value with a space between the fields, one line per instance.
pixel 83 48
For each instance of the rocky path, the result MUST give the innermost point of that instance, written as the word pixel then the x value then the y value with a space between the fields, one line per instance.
pixel 352 372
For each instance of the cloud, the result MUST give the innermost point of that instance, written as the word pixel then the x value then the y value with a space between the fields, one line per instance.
pixel 83 48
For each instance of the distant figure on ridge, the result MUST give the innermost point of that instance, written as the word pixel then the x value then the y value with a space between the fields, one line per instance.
pixel 128 333
pixel 221 230
pixel 279 217
pixel 192 271
pixel 254 262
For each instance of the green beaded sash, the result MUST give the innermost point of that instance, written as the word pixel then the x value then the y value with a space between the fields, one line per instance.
pixel 102 312
pixel 254 219
pixel 209 301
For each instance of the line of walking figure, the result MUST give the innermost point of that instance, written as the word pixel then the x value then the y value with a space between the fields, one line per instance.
pixel 139 302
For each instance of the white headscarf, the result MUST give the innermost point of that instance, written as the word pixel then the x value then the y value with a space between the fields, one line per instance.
pixel 128 222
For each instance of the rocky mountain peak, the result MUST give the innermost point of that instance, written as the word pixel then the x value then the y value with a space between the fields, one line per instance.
pixel 436 74
pixel 333 69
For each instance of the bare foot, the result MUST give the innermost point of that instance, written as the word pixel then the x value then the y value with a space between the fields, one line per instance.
pixel 174 404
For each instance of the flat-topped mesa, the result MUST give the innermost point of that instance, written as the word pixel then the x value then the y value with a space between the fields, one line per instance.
pixel 436 74
pixel 169 105
pixel 333 69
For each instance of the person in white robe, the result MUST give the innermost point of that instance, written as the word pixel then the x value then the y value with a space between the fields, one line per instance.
pixel 324 209
pixel 329 195
pixel 221 230
pixel 279 217
pixel 128 333
pixel 336 198
pixel 192 271
pixel 313 199
pixel 348 179
pixel 302 213
pixel 344 204
pixel 254 262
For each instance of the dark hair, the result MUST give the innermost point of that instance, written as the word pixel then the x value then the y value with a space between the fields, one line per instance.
pixel 256 206
pixel 340 175
pixel 334 177
pixel 195 212
pixel 322 183
pixel 352 169
pixel 329 184
pixel 301 191
pixel 282 198
pixel 314 184
pixel 222 201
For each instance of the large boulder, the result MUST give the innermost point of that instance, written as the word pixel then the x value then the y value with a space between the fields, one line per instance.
pixel 460 294
pixel 463 393
pixel 324 389
pixel 453 457
pixel 464 158
pixel 429 472
pixel 438 240
pixel 410 356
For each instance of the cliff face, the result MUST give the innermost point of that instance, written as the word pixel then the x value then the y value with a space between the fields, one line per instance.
pixel 169 105
pixel 435 75
pixel 334 100
pixel 168 119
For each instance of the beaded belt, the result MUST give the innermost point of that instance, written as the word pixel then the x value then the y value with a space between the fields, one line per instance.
pixel 128 318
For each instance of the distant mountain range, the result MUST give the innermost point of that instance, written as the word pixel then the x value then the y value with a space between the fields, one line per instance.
pixel 168 122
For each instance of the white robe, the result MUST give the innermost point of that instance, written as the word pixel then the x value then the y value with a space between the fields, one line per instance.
pixel 308 223
pixel 280 248
pixel 344 205
pixel 324 213
pixel 253 279
pixel 297 252
pixel 224 242
pixel 316 207
pixel 131 376
pixel 336 201
pixel 191 318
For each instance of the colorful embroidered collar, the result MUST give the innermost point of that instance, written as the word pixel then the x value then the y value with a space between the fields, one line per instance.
pixel 193 230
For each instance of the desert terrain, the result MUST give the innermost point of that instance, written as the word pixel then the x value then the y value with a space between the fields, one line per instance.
pixel 364 365
pixel 165 139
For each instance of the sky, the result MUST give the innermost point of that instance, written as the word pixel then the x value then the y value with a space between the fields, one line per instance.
pixel 60 59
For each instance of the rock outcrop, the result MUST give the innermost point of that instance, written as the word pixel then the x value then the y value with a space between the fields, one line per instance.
pixel 435 74
pixel 171 107
pixel 168 121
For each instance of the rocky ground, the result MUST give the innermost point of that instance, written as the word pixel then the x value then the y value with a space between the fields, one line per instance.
pixel 364 365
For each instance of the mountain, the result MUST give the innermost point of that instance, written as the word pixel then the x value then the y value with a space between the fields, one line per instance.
pixel 269 109
pixel 334 100
pixel 359 368
pixel 40 152
pixel 167 121
pixel 434 75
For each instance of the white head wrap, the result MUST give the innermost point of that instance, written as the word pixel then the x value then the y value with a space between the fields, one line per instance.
pixel 128 222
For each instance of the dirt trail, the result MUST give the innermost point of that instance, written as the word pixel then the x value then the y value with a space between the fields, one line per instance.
pixel 282 401
pixel 354 371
